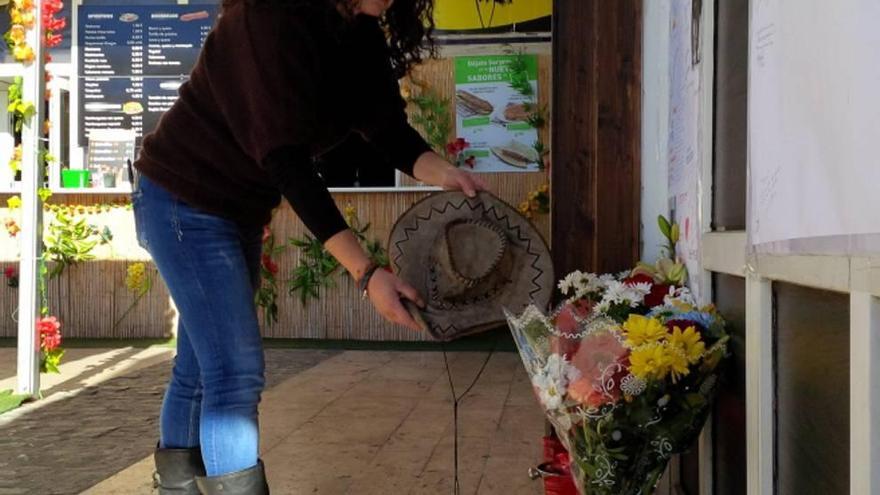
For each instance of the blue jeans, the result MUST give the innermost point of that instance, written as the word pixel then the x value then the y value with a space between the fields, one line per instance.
pixel 212 268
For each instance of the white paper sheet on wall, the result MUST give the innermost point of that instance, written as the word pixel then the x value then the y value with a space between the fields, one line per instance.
pixel 814 126
pixel 684 139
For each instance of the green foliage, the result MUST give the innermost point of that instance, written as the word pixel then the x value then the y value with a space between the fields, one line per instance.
pixel 519 74
pixel 10 401
pixel 317 266
pixel 21 110
pixel 671 232
pixel 315 270
pixel 537 116
pixel 541 150
pixel 51 361
pixel 433 116
pixel 70 241
pixel 267 295
pixel 374 248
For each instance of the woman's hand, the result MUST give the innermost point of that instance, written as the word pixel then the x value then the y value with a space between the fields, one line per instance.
pixel 383 288
pixel 385 291
pixel 433 170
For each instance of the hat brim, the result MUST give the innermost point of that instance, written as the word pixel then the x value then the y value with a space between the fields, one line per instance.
pixel 412 242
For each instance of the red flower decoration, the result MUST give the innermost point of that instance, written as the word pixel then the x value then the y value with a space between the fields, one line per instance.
pixel 49 330
pixel 457 146
pixel 52 342
pixel 53 40
pixel 9 271
pixel 270 265
pixel 658 291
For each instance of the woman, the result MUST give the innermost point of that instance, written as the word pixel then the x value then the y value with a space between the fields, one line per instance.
pixel 278 82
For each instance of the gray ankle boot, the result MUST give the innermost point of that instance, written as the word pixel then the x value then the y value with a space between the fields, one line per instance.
pixel 251 481
pixel 176 471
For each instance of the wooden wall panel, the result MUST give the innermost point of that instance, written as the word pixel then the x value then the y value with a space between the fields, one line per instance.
pixel 596 134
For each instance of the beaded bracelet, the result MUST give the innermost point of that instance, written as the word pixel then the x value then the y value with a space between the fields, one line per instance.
pixel 364 281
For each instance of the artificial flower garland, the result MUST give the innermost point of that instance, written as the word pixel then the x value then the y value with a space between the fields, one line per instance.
pixel 23 19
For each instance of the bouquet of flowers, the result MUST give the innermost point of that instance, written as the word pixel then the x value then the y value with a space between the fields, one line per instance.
pixel 625 370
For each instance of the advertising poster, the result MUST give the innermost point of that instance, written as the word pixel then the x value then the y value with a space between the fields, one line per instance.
pixel 487 16
pixel 496 96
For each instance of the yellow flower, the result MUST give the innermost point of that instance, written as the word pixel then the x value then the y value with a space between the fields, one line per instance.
pixel 524 207
pixel 26 19
pixel 350 214
pixel 544 189
pixel 533 195
pixel 682 306
pixel 640 330
pixel 13 202
pixel 136 277
pixel 649 362
pixel 689 342
pixel 676 361
pixel 17 34
pixel 23 53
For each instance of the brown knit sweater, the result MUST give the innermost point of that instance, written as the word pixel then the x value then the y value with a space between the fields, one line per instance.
pixel 275 85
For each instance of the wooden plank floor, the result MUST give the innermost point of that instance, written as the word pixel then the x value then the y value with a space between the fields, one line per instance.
pixel 366 423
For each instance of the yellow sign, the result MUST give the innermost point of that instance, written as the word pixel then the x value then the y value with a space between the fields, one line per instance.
pixel 474 15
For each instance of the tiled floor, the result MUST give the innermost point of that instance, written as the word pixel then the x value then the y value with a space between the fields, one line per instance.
pixel 381 423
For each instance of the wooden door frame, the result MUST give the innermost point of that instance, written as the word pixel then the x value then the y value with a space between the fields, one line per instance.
pixel 596 140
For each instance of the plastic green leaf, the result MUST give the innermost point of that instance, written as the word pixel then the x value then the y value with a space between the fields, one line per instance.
pixel 665 227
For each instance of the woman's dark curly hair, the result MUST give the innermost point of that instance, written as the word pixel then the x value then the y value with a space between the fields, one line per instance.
pixel 408 24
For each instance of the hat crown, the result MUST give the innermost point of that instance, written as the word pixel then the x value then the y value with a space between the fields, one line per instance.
pixel 474 249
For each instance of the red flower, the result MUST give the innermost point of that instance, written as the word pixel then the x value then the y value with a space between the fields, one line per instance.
pixel 457 146
pixel 52 342
pixel 49 330
pixel 51 23
pixel 269 264
pixel 9 272
pixel 53 40
pixel 658 291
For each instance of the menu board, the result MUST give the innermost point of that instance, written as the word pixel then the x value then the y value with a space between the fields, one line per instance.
pixel 109 153
pixel 131 103
pixel 133 59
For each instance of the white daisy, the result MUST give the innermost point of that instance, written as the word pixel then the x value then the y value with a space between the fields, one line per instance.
pixel 567 284
pixel 552 381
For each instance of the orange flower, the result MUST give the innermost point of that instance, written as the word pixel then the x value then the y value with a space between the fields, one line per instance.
pixel 601 358
pixel 590 395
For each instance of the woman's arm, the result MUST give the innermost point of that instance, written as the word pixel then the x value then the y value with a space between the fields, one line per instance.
pixel 384 289
pixel 307 194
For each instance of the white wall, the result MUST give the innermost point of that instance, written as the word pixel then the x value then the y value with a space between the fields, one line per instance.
pixel 655 124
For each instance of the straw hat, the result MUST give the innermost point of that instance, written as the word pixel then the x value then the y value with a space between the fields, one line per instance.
pixel 470 258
